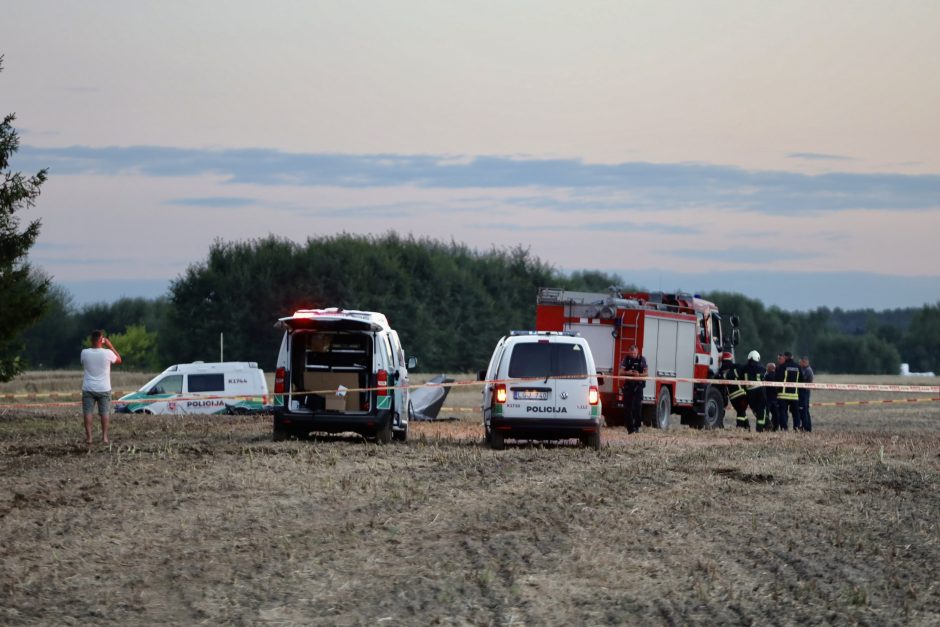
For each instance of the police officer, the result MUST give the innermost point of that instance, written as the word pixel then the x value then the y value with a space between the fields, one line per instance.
pixel 633 365
pixel 770 374
pixel 806 375
pixel 737 393
pixel 788 398
pixel 756 396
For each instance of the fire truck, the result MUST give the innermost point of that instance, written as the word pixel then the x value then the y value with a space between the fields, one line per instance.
pixel 681 336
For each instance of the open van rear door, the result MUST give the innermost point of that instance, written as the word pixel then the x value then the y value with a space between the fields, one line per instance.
pixel 329 320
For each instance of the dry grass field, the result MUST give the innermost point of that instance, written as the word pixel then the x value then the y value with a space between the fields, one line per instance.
pixel 205 520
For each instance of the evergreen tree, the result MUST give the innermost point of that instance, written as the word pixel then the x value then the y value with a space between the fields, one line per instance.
pixel 23 291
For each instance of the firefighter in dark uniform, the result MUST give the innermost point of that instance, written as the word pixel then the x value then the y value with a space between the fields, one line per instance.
pixel 633 365
pixel 788 398
pixel 737 393
pixel 756 395
pixel 770 374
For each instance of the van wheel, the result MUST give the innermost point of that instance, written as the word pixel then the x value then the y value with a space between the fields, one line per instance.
pixel 663 408
pixel 496 440
pixel 400 436
pixel 383 435
pixel 279 435
pixel 714 409
pixel 592 440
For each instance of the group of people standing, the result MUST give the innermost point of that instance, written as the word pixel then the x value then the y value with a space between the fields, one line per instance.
pixel 772 406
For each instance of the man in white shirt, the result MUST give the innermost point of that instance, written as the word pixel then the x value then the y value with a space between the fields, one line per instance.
pixel 96 384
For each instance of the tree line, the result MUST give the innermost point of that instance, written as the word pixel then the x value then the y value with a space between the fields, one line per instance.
pixel 449 303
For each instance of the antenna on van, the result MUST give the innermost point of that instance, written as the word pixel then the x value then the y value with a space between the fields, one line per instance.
pixel 221 346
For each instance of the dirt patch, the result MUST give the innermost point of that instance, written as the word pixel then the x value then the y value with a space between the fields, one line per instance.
pixel 206 520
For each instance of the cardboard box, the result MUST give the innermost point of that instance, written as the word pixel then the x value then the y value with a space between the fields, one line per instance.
pixel 326 383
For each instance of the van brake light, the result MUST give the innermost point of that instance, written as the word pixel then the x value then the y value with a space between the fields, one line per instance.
pixel 593 397
pixel 501 394
pixel 382 383
pixel 279 381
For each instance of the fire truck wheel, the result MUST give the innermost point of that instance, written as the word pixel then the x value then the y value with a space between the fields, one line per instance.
pixel 714 409
pixel 663 408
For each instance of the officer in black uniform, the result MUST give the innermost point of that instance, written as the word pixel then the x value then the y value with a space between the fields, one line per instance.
pixel 633 365
pixel 806 376
pixel 771 391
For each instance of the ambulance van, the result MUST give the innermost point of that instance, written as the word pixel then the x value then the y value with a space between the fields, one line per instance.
pixel 231 387
pixel 541 385
pixel 341 370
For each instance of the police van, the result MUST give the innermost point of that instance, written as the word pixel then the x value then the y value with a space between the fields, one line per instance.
pixel 341 370
pixel 232 387
pixel 541 385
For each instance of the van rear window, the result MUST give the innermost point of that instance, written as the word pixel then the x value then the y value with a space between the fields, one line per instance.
pixel 547 360
pixel 207 382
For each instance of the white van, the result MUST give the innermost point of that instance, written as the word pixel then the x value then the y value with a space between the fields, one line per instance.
pixel 231 387
pixel 341 370
pixel 541 385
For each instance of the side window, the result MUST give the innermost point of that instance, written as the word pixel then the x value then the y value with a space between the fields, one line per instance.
pixel 387 349
pixel 396 350
pixel 172 384
pixel 702 327
pixel 207 382
pixel 716 330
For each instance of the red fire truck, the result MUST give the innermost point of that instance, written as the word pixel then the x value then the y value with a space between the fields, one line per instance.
pixel 681 336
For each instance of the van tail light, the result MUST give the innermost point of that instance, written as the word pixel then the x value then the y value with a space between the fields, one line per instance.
pixel 593 396
pixel 279 381
pixel 501 394
pixel 382 383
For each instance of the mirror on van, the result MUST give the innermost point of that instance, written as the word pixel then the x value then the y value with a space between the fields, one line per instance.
pixel 412 362
pixel 155 390
pixel 600 380
pixel 481 375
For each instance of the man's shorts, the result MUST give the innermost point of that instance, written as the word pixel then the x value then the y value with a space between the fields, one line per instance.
pixel 90 399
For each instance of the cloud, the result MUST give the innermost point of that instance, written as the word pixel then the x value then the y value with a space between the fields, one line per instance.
pixel 659 186
pixel 818 156
pixel 742 255
pixel 213 201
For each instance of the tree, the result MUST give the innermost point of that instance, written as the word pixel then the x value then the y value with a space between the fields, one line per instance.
pixel 23 291
pixel 138 347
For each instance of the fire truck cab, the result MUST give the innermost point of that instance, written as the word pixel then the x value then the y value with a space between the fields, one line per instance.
pixel 681 336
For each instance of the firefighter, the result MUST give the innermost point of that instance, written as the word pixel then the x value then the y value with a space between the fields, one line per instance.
pixel 756 396
pixel 806 375
pixel 770 374
pixel 633 365
pixel 788 398
pixel 737 393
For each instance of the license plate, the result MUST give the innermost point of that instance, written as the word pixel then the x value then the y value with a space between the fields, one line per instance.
pixel 530 395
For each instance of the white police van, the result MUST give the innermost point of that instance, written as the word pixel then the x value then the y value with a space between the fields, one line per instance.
pixel 541 385
pixel 231 387
pixel 341 370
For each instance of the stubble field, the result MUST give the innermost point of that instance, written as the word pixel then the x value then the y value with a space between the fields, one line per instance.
pixel 205 520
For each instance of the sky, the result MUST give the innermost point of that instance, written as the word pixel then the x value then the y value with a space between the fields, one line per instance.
pixel 789 151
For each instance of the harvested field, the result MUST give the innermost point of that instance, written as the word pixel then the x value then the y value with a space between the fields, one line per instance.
pixel 196 519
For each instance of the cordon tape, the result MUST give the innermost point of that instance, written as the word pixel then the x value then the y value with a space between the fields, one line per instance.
pixel 9 400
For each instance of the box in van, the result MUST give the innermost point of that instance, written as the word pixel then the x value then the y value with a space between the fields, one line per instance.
pixel 341 370
pixel 541 386
pixel 232 387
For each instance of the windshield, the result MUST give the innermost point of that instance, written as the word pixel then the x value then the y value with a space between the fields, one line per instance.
pixel 544 359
